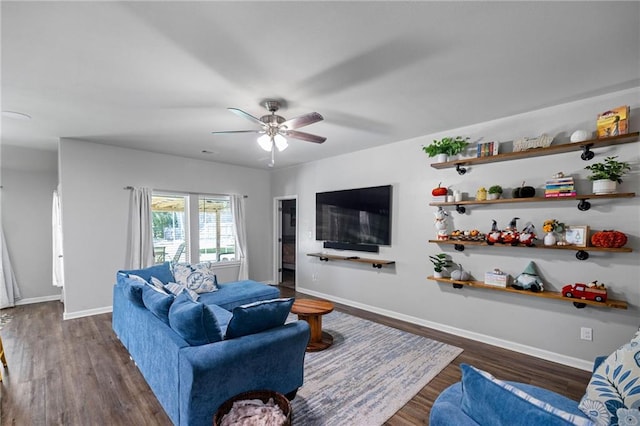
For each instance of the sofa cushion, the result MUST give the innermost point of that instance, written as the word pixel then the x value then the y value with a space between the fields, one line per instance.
pixel 195 322
pixel 233 294
pixel 161 271
pixel 200 277
pixel 258 316
pixel 157 302
pixel 488 400
pixel 613 393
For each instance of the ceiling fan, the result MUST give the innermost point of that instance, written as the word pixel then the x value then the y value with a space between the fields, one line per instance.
pixel 275 128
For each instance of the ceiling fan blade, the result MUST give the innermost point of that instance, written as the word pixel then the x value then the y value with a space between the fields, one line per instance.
pixel 238 131
pixel 246 115
pixel 304 136
pixel 303 120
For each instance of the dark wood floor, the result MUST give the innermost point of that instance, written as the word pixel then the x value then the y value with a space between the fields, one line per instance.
pixel 76 372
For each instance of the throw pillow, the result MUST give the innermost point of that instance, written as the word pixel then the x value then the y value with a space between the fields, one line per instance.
pixel 157 302
pixel 194 321
pixel 161 271
pixel 488 401
pixel 199 277
pixel 176 289
pixel 259 316
pixel 132 288
pixel 158 284
pixel 613 393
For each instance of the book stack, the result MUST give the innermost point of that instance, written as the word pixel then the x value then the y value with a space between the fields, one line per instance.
pixel 487 149
pixel 560 187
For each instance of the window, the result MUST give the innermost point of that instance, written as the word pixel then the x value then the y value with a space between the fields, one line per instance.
pixel 192 228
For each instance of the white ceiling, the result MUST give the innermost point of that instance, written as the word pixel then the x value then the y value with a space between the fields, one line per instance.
pixel 158 76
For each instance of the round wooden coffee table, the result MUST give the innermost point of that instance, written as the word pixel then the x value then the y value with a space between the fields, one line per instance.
pixel 312 311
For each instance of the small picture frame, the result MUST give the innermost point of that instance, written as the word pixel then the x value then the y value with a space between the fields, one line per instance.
pixel 576 235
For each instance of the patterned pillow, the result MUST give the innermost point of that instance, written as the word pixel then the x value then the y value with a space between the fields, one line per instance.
pixel 157 284
pixel 199 277
pixel 176 289
pixel 613 393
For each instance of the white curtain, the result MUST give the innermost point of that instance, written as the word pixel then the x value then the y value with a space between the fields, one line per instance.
pixel 140 234
pixel 9 291
pixel 240 231
pixel 56 234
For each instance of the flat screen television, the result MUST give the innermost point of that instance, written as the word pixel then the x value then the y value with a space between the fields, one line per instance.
pixel 360 216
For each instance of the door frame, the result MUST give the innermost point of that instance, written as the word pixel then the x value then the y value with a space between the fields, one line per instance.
pixel 277 238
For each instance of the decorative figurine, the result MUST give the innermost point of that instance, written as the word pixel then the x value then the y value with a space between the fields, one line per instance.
pixel 591 291
pixel 441 223
pixel 481 194
pixel 510 233
pixel 495 235
pixel 527 236
pixel 528 280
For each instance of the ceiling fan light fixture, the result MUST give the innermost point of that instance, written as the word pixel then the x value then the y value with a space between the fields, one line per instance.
pixel 265 142
pixel 281 142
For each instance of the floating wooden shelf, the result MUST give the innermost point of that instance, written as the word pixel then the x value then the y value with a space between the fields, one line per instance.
pixel 578 303
pixel 582 253
pixel 583 205
pixel 584 146
pixel 376 263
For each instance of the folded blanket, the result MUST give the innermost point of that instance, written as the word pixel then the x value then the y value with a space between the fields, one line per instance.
pixel 254 412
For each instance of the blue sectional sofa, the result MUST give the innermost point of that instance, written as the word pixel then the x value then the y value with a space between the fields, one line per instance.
pixel 192 380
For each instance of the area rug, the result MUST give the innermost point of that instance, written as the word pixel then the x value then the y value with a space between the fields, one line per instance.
pixel 368 374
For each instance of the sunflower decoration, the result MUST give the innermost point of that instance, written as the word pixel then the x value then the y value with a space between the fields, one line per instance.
pixel 552 225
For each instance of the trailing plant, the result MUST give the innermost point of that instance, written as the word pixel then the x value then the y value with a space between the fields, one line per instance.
pixel 440 261
pixel 449 146
pixel 495 189
pixel 610 169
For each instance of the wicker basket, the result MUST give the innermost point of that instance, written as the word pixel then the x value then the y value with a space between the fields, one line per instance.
pixel 262 395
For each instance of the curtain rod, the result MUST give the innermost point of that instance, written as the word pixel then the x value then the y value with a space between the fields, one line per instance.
pixel 181 192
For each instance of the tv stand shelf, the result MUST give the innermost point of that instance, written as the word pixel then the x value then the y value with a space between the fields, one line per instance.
pixel 376 263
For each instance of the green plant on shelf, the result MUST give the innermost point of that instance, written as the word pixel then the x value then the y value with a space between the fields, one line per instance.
pixel 610 169
pixel 449 146
pixel 495 189
pixel 440 261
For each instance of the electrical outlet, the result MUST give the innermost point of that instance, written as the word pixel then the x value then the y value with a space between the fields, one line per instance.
pixel 314 276
pixel 586 333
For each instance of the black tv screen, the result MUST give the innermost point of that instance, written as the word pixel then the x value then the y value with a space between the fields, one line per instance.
pixel 358 216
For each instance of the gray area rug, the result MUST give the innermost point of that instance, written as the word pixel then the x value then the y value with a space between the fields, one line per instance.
pixel 368 374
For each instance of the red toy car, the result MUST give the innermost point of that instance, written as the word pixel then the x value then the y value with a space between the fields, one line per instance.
pixel 592 291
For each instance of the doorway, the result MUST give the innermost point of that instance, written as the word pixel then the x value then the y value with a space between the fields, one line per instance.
pixel 287 242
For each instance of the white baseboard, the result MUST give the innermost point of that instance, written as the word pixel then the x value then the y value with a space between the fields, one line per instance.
pixel 581 364
pixel 87 313
pixel 40 299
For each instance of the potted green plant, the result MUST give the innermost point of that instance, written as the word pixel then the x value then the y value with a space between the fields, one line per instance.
pixel 495 192
pixel 440 261
pixel 445 147
pixel 607 175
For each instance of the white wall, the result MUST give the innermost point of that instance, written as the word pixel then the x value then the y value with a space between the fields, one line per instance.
pixel 29 177
pixel 542 327
pixel 95 212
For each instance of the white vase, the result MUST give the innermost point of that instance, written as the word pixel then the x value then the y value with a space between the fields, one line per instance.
pixel 441 158
pixel 493 196
pixel 550 239
pixel 605 186
pixel 437 274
